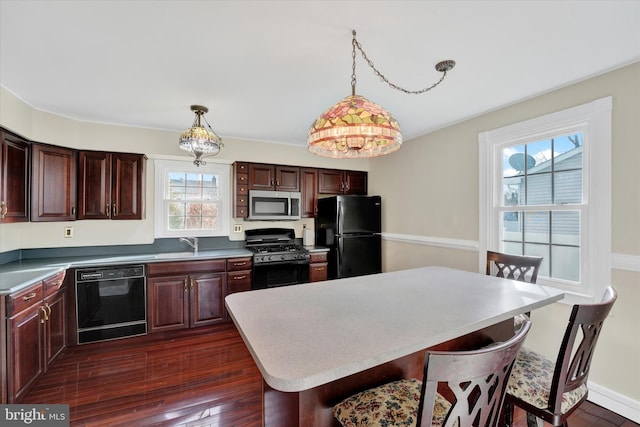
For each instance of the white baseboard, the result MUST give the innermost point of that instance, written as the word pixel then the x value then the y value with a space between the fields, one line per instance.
pixel 614 402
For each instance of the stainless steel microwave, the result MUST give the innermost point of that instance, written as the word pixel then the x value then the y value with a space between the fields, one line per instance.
pixel 274 205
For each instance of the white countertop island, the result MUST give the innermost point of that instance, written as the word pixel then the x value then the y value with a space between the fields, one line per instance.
pixel 304 336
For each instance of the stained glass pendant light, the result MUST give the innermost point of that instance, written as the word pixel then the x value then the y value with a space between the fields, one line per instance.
pixel 356 127
pixel 198 141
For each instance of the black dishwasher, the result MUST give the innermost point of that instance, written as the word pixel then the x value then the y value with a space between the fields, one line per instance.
pixel 110 303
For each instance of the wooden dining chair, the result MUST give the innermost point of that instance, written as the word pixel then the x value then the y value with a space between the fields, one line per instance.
pixel 517 267
pixel 552 391
pixel 474 380
pixel 523 268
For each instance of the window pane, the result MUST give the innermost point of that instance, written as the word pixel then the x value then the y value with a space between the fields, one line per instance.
pixel 539 250
pixel 511 226
pixel 567 187
pixel 541 152
pixel 513 189
pixel 512 248
pixel 514 161
pixel 568 152
pixel 536 227
pixel 565 263
pixel 539 189
pixel 565 228
pixel 176 222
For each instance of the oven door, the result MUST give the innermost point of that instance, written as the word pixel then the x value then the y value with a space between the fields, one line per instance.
pixel 274 274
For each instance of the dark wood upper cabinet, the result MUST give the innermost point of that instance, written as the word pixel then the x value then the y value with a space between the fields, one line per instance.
pixel 334 181
pixel 309 192
pixel 53 183
pixel 94 185
pixel 110 185
pixel 274 177
pixel 14 178
pixel 310 182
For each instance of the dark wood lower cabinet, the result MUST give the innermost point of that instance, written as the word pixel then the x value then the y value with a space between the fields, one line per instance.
pixel 180 302
pixel 26 354
pixel 36 333
pixel 182 295
pixel 318 266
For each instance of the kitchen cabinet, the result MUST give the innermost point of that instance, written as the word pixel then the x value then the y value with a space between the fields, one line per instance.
pixel 274 177
pixel 241 189
pixel 14 178
pixel 111 185
pixel 36 333
pixel 238 274
pixel 317 266
pixel 53 183
pixel 309 192
pixel 183 295
pixel 334 181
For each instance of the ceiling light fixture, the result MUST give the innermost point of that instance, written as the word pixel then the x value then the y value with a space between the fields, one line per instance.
pixel 199 141
pixel 356 127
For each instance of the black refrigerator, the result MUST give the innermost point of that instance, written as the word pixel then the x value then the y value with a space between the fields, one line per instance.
pixel 350 227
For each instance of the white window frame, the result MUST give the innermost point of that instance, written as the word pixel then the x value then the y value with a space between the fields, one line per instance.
pixel 162 168
pixel 594 121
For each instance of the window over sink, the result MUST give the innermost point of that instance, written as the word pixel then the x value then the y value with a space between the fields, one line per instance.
pixel 191 201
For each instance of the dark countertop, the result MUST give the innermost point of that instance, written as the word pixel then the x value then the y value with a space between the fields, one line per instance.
pixel 20 274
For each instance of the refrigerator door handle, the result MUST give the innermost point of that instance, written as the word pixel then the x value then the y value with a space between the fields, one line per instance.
pixel 339 225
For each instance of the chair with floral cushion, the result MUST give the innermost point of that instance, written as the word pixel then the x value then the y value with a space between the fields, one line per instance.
pixel 551 391
pixel 474 383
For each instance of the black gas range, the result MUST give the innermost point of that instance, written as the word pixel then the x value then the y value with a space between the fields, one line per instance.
pixel 278 258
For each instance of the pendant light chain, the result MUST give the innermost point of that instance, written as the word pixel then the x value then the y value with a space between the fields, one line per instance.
pixel 443 67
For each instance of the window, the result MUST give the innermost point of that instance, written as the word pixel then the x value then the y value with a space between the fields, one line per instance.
pixel 545 191
pixel 191 201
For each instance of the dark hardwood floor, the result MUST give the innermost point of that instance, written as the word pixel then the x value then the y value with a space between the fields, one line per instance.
pixel 205 378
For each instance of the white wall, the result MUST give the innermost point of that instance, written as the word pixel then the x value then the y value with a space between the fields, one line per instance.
pixel 430 189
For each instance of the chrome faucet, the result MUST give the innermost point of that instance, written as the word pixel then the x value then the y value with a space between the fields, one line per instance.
pixel 191 241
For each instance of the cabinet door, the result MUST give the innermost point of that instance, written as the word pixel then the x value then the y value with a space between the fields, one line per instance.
pixel 167 303
pixel 330 181
pixel 55 334
pixel 287 178
pixel 14 179
pixel 261 177
pixel 25 335
pixel 317 272
pixel 53 192
pixel 309 191
pixel 355 182
pixel 127 188
pixel 207 298
pixel 94 185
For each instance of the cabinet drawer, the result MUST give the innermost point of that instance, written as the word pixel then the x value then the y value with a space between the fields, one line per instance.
pixel 237 264
pixel 242 189
pixel 185 267
pixel 241 167
pixel 317 257
pixel 54 283
pixel 238 281
pixel 25 298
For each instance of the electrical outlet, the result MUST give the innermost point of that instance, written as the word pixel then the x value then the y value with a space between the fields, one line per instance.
pixel 237 228
pixel 68 232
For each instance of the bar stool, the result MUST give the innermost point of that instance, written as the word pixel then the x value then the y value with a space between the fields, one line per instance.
pixel 475 379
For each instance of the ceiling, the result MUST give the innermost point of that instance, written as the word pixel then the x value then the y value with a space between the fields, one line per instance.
pixel 267 69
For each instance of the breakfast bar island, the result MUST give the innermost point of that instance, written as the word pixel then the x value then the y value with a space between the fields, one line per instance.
pixel 318 343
